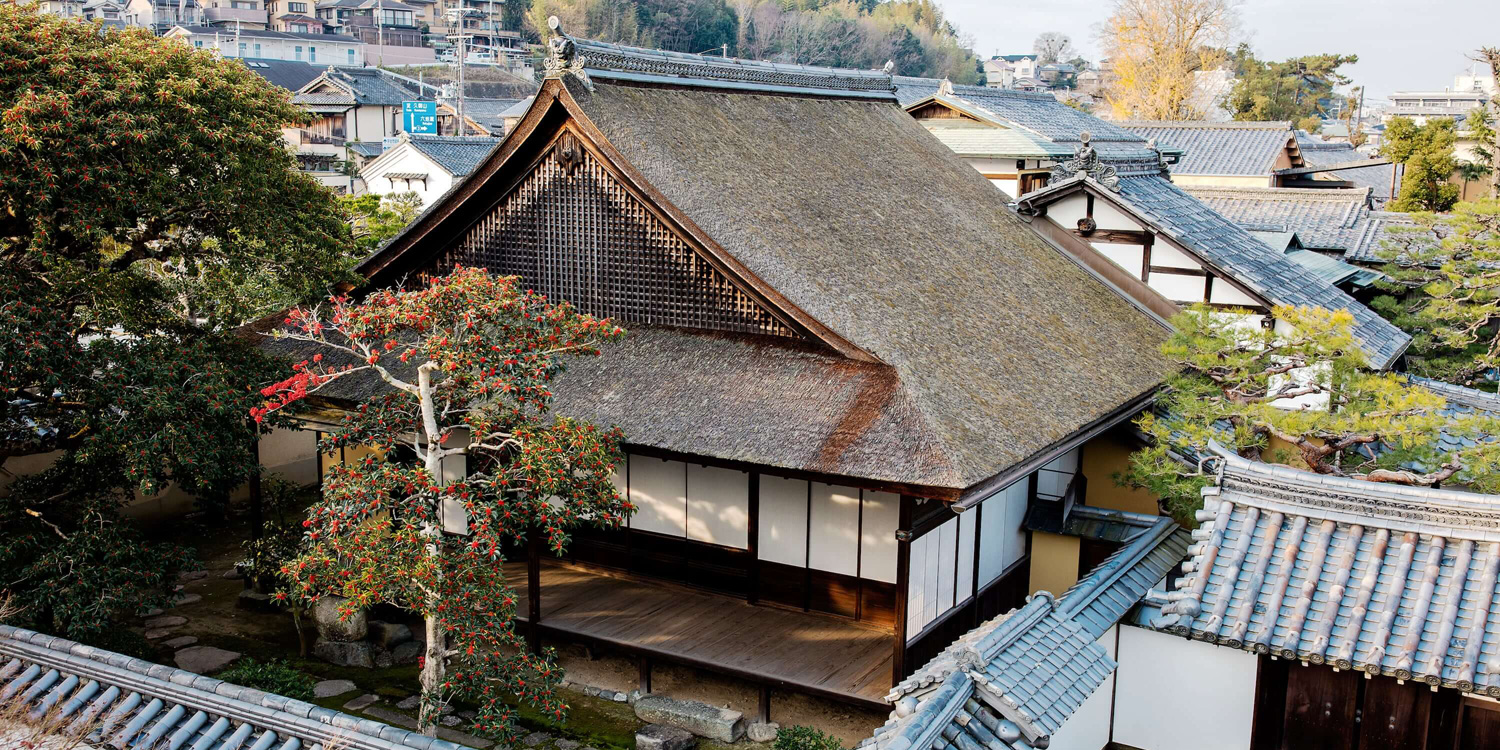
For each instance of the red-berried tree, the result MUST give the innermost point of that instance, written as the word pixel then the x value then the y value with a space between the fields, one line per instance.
pixel 470 360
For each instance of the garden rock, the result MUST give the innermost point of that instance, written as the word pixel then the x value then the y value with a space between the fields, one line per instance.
pixel 332 628
pixel 151 612
pixel 362 702
pixel 567 745
pixel 722 724
pixel 408 653
pixel 255 601
pixel 619 697
pixel 181 641
pixel 450 721
pixel 389 634
pixel 195 575
pixel 383 659
pixel 233 574
pixel 535 738
pixel 156 633
pixel 330 688
pixel 204 659
pixel 186 599
pixel 763 731
pixel 409 703
pixel 662 737
pixel 165 621
pixel 355 654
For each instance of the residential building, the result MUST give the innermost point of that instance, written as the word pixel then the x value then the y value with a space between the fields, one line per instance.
pixel 1421 106
pixel 287 74
pixel 64 8
pixel 1337 222
pixel 314 49
pixel 108 12
pixel 481 116
pixel 235 14
pixel 136 703
pixel 428 165
pixel 297 16
pixel 352 105
pixel 835 457
pixel 161 15
pixel 1230 154
pixel 1376 174
pixel 389 22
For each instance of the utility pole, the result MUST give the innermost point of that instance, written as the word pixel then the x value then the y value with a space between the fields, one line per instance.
pixel 380 32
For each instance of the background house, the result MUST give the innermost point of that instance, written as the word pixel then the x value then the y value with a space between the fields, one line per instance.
pixel 161 15
pixel 314 49
pixel 427 165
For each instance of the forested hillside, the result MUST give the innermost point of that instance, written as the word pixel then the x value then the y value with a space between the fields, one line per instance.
pixel 841 33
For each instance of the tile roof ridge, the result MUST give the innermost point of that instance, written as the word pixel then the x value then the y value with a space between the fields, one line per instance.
pixel 1207 124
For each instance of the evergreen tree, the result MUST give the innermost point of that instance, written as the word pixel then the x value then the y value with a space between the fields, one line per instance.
pixel 1426 155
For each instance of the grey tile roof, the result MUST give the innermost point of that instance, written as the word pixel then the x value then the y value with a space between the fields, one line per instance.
pixel 456 154
pixel 1038 112
pixel 288 74
pixel 624 63
pixel 1220 148
pixel 1086 522
pixel 362 86
pixel 1324 219
pixel 1462 402
pixel 1376 232
pixel 1320 153
pixel 1381 578
pixel 127 702
pixel 1012 682
pixel 1235 252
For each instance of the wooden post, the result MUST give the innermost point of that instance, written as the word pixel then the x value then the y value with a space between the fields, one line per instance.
pixel 903 584
pixel 765 704
pixel 752 576
pixel 644 682
pixel 534 588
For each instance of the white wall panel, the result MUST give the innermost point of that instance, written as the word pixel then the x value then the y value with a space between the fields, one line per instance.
pixel 1017 496
pixel 783 520
pixel 1109 217
pixel 917 589
pixel 992 538
pixel 1128 257
pixel 1214 715
pixel 882 513
pixel 1225 293
pixel 1006 186
pixel 718 505
pixel 1170 257
pixel 1177 287
pixel 1052 480
pixel 965 585
pixel 659 490
pixel 834 526
pixel 293 454
pixel 1088 727
pixel 947 564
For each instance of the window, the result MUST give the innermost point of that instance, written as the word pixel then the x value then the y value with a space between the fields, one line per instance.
pixel 243 4
pixel 351 57
pixel 312 53
pixel 297 7
pixel 257 49
pixel 242 49
pixel 299 52
pixel 198 43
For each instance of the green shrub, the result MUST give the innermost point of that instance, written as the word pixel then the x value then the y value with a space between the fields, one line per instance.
pixel 275 676
pixel 804 738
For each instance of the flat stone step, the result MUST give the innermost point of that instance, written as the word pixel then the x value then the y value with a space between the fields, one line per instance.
pixel 713 722
pixel 663 737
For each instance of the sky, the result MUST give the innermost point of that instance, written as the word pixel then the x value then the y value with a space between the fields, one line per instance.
pixel 1403 45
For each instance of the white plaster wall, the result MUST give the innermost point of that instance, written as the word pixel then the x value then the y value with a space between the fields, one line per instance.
pixel 292 455
pixel 659 490
pixel 1002 541
pixel 930 592
pixel 834 526
pixel 1222 180
pixel 783 520
pixel 1053 480
pixel 1009 187
pixel 877 559
pixel 1177 287
pixel 1128 257
pixel 1088 727
pixel 718 506
pixel 1227 294
pixel 1170 257
pixel 1177 694
pixel 964 587
pixel 404 158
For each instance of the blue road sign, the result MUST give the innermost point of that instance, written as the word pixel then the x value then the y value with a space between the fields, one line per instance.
pixel 419 117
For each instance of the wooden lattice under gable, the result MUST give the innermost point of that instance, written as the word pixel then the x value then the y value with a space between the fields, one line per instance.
pixel 572 231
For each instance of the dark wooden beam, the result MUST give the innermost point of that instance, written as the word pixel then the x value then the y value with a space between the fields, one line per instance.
pixel 534 588
pixel 764 711
pixel 1115 236
pixel 752 574
pixel 1174 271
pixel 903 585
pixel 1146 256
pixel 643 675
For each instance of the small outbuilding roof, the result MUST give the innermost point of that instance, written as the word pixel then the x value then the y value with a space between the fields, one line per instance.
pixel 291 75
pixel 1381 578
pixel 1011 683
pixel 1222 148
pixel 1320 153
pixel 1335 219
pixel 358 86
pixel 127 702
pixel 458 154
pixel 982 141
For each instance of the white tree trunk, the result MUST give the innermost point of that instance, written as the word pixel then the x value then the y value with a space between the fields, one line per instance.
pixel 434 666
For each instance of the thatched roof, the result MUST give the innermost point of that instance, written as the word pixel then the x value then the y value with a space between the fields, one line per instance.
pixel 988 345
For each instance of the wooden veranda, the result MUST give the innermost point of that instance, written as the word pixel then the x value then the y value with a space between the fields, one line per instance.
pixel 802 652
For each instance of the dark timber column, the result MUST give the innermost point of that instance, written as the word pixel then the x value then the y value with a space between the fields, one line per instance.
pixel 903 583
pixel 752 576
pixel 534 587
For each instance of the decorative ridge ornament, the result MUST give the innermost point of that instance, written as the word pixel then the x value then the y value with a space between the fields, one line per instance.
pixel 1085 162
pixel 945 88
pixel 1161 161
pixel 562 55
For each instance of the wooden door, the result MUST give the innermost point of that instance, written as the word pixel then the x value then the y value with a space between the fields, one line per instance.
pixel 1322 707
pixel 1480 727
pixel 1395 716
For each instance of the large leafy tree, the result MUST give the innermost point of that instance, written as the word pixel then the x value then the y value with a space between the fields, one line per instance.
pixel 470 360
pixel 1296 89
pixel 1445 270
pixel 377 218
pixel 1299 393
pixel 1425 153
pixel 1156 49
pixel 147 208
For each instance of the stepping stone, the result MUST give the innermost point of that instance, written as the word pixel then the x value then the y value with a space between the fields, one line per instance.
pixel 391 717
pixel 535 738
pixel 763 731
pixel 157 633
pixel 568 745
pixel 468 740
pixel 662 737
pixel 233 574
pixel 181 641
pixel 410 703
pixel 186 599
pixel 722 724
pixel 151 612
pixel 196 575
pixel 450 721
pixel 330 688
pixel 165 621
pixel 362 702
pixel 204 659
